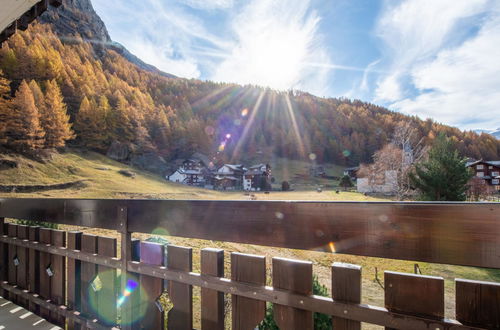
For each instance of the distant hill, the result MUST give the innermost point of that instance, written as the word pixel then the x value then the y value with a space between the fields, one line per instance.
pixel 128 109
pixel 495 133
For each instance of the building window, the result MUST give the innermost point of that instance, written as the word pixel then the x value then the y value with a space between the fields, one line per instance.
pixel 480 167
pixel 496 173
pixel 490 167
pixel 495 181
pixel 480 174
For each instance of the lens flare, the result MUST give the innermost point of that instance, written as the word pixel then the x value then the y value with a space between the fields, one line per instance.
pixel 331 245
pixel 244 112
pixel 131 286
pixel 228 136
pixel 312 156
pixel 346 153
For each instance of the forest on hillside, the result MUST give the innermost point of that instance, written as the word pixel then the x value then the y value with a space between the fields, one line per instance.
pixel 54 93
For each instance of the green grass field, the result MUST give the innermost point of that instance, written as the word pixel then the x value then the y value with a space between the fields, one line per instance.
pixel 102 180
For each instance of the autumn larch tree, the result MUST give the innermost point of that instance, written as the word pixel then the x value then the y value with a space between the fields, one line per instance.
pixel 5 105
pixel 55 119
pixel 89 126
pixel 23 130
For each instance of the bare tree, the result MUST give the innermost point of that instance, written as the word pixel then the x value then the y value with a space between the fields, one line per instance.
pixel 413 150
pixel 400 155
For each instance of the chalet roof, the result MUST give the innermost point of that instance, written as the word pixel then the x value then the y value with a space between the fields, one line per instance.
pixel 234 167
pixel 355 168
pixel 257 166
pixel 232 178
pixel 488 162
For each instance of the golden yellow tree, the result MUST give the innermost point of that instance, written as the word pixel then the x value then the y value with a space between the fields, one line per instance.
pixel 23 130
pixel 5 105
pixel 55 118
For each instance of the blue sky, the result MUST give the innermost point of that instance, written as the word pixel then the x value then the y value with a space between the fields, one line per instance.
pixel 431 58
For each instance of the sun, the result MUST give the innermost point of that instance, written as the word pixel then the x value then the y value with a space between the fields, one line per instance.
pixel 270 53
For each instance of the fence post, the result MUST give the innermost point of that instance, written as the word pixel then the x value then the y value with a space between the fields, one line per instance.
pixel 247 313
pixel 212 302
pixel 346 287
pixel 126 250
pixel 293 276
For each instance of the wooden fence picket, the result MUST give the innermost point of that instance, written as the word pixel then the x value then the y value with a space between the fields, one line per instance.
pixel 212 302
pixel 34 267
pixel 107 294
pixel 154 317
pixel 12 273
pixel 181 315
pixel 346 287
pixel 412 294
pixel 45 270
pixel 22 264
pixel 247 313
pixel 58 280
pixel 88 273
pixel 74 272
pixel 4 257
pixel 294 276
pixel 478 303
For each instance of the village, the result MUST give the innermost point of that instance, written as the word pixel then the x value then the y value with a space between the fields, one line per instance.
pixel 199 171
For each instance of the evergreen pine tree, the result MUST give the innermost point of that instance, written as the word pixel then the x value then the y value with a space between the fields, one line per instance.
pixel 55 119
pixel 345 182
pixel 23 130
pixel 443 176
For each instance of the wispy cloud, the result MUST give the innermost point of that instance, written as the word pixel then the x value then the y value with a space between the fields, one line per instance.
pixel 439 67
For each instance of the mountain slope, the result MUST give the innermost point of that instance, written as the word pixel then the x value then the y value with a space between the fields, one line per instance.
pixel 146 114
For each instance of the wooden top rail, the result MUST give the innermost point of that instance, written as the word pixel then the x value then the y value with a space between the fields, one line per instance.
pixel 451 233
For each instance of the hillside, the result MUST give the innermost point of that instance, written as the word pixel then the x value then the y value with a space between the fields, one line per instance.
pixel 101 178
pixel 138 115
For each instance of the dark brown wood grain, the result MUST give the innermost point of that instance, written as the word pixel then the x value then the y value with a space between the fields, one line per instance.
pixel 4 258
pixel 12 273
pixel 88 273
pixel 154 318
pixel 58 281
pixel 74 272
pixel 294 276
pixel 478 303
pixel 22 268
pixel 450 233
pixel 346 287
pixel 247 313
pixel 181 315
pixel 45 263
pixel 414 294
pixel 107 295
pixel 212 302
pixel 34 267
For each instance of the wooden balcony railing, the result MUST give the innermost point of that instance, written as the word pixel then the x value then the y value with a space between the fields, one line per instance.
pixel 75 279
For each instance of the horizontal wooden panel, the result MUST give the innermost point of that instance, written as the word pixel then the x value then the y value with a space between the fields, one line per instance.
pixel 451 233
